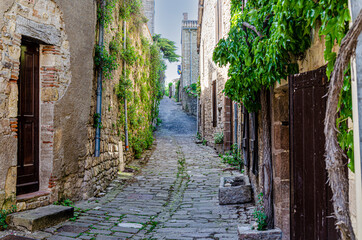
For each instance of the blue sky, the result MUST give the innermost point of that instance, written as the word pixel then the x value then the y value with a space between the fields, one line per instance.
pixel 169 14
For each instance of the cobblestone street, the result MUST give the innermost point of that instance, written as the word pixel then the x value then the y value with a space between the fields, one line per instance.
pixel 175 196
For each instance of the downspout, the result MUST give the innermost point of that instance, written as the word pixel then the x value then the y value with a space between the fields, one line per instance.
pixel 99 91
pixel 125 96
pixel 190 57
pixel 236 118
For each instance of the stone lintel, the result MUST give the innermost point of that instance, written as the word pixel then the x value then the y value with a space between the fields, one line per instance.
pixel 44 33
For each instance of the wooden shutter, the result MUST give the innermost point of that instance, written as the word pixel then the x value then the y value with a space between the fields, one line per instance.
pixel 245 140
pixel 214 105
pixel 254 143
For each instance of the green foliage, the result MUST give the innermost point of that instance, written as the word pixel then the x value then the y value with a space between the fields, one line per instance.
pixel 233 157
pixel 285 27
pixel 167 47
pixel 259 214
pixel 198 136
pixel 97 123
pixel 204 142
pixel 198 86
pixel 129 54
pixel 191 90
pixel 130 9
pixel 105 14
pixel 105 61
pixel 219 138
pixel 3 215
pixel 69 203
pixel 177 93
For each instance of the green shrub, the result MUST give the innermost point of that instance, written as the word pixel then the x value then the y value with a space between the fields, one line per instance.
pixel 3 215
pixel 219 138
pixel 259 214
pixel 233 157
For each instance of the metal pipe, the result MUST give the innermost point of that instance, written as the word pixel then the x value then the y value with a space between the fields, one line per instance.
pixel 236 118
pixel 99 91
pixel 190 57
pixel 125 96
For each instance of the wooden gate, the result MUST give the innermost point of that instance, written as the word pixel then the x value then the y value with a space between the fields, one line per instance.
pixel 311 206
pixel 28 119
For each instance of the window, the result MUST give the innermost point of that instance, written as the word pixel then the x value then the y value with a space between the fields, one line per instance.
pixel 214 105
pixel 218 21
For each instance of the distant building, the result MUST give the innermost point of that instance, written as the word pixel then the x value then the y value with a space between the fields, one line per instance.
pixel 190 65
pixel 149 12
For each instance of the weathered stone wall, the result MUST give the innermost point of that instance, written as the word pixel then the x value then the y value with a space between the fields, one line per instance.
pixel 149 12
pixel 209 72
pixel 190 64
pixel 43 21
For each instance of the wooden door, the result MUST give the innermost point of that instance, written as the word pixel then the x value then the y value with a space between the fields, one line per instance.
pixel 311 206
pixel 28 119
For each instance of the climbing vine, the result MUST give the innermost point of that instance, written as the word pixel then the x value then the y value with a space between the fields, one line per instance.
pixel 266 40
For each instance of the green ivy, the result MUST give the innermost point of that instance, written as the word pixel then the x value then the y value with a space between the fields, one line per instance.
pixel 257 61
pixel 3 215
pixel 105 61
pixel 105 14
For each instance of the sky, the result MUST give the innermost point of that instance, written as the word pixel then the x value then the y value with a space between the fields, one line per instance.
pixel 169 15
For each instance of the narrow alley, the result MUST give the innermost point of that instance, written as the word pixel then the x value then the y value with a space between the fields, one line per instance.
pixel 174 197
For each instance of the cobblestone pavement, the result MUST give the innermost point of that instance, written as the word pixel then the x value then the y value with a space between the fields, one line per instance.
pixel 175 196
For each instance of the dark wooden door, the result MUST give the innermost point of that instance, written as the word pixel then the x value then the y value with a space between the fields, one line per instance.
pixel 311 206
pixel 28 118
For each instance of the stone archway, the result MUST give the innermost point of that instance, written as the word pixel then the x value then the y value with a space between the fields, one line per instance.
pixel 42 21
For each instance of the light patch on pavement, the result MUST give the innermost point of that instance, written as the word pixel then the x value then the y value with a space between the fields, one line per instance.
pixel 130 225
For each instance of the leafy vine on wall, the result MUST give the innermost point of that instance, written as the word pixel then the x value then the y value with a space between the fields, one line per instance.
pixel 266 39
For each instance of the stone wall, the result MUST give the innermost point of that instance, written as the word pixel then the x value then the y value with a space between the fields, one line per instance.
pixel 43 21
pixel 68 168
pixel 149 12
pixel 190 64
pixel 209 72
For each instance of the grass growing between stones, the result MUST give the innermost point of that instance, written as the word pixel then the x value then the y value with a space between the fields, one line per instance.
pixel 77 211
pixel 3 215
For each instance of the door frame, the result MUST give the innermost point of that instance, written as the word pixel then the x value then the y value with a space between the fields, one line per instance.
pixel 26 41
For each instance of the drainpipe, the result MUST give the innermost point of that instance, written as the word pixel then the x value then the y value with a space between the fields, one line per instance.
pixel 236 116
pixel 125 97
pixel 190 57
pixel 99 92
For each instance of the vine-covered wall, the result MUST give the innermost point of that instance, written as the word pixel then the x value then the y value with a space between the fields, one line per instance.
pixel 133 73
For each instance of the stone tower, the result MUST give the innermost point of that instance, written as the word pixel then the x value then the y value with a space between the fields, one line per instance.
pixel 149 12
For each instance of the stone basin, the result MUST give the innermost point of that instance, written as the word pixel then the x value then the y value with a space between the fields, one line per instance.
pixel 234 190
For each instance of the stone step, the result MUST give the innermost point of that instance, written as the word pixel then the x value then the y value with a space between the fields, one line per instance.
pixel 40 218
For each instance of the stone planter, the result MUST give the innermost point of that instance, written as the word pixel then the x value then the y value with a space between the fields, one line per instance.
pixel 219 147
pixel 234 190
pixel 245 233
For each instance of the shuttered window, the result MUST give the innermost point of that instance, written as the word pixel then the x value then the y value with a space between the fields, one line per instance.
pixel 214 105
pixel 218 21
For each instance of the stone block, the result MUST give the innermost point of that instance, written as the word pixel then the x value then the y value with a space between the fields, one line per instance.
pixel 246 233
pixel 49 94
pixel 281 165
pixel 39 218
pixel 281 137
pixel 234 190
pixel 43 32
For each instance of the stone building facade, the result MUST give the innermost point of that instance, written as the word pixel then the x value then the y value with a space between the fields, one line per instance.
pixel 190 64
pixel 219 115
pixel 40 37
pixel 215 114
pixel 149 12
